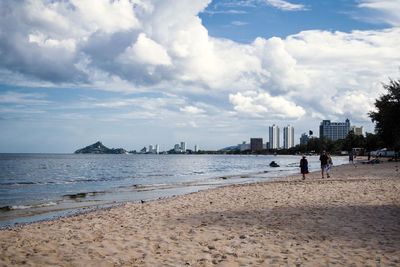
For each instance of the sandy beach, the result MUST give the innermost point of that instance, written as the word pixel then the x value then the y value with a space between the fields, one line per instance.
pixel 351 219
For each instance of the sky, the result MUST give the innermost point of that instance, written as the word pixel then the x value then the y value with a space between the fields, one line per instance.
pixel 131 73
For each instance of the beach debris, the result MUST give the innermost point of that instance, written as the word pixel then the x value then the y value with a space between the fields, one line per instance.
pixel 372 161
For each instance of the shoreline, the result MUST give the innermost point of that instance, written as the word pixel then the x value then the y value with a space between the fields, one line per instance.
pixel 352 217
pixel 78 202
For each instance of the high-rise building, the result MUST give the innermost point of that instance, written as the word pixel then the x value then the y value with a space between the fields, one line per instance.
pixel 288 137
pixel 154 149
pixel 256 144
pixel 274 137
pixel 334 130
pixel 304 139
pixel 357 130
pixel 183 147
pixel 177 148
pixel 196 148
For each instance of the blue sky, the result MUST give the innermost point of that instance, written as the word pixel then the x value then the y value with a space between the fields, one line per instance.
pixel 212 73
pixel 242 22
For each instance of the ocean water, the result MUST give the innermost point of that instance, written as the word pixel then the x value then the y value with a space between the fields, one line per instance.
pixel 36 187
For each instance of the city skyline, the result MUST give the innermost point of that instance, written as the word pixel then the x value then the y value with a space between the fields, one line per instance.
pixel 214 73
pixel 274 134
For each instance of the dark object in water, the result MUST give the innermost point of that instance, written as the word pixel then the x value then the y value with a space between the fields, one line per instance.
pixel 273 164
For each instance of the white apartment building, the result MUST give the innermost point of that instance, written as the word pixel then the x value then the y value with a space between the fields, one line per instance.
pixel 154 149
pixel 183 147
pixel 274 137
pixel 288 137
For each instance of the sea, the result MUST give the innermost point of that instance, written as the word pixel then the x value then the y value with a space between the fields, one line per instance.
pixel 36 187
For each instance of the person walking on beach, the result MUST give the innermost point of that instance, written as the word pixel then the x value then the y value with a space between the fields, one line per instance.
pixel 351 158
pixel 304 167
pixel 324 162
pixel 329 166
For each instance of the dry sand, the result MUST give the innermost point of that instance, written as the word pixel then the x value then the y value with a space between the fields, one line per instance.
pixel 351 219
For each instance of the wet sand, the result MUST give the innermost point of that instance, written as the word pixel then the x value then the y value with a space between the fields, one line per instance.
pixel 351 219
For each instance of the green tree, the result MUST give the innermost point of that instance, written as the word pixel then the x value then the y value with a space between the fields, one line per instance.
pixel 372 142
pixel 332 146
pixel 352 141
pixel 317 144
pixel 387 115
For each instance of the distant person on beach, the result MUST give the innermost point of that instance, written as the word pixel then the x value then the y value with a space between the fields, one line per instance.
pixel 351 158
pixel 329 166
pixel 304 166
pixel 369 155
pixel 324 162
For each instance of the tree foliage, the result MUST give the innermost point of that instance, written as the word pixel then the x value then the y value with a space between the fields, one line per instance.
pixel 387 115
pixel 372 142
pixel 352 141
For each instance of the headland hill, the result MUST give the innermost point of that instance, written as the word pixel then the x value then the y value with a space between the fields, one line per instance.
pixel 99 148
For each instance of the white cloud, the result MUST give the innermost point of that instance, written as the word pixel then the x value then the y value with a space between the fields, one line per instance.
pixel 388 10
pixel 105 15
pixel 264 105
pixel 239 23
pixel 230 11
pixel 285 5
pixel 351 103
pixel 187 124
pixel 337 63
pixel 10 97
pixel 146 51
pixel 280 4
pixel 42 41
pixel 192 110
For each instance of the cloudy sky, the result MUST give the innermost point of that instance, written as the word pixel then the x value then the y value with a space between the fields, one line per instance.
pixel 214 73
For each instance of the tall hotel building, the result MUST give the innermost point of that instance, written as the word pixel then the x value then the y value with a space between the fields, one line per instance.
pixel 334 130
pixel 274 137
pixel 196 148
pixel 288 137
pixel 183 147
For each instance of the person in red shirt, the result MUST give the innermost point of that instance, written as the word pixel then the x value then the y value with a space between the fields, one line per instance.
pixel 304 167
